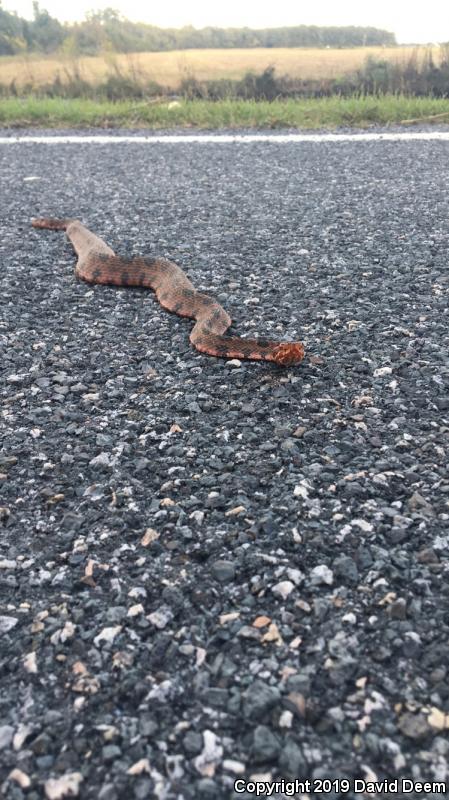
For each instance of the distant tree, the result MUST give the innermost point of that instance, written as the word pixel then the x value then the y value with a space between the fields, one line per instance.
pixel 109 30
pixel 11 33
pixel 45 32
pixel 105 16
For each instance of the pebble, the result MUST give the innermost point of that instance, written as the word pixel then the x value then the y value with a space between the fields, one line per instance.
pixel 266 745
pixel 259 699
pixel 223 570
pixel 283 589
pixel 322 574
pixel 6 734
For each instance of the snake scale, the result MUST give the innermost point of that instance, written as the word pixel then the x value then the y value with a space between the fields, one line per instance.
pixel 97 263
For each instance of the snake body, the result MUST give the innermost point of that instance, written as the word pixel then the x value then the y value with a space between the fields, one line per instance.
pixel 97 263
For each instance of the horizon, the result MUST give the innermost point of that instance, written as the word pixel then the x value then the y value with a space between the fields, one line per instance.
pixel 409 25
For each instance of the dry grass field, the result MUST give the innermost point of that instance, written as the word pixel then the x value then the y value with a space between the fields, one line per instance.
pixel 170 68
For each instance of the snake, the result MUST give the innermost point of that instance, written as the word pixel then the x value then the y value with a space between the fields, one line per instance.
pixel 98 263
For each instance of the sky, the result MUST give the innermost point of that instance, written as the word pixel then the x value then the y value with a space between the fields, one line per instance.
pixel 412 23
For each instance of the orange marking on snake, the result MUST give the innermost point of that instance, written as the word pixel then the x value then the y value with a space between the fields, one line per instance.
pixel 97 263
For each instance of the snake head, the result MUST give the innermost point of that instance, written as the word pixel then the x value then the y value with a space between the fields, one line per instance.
pixel 288 353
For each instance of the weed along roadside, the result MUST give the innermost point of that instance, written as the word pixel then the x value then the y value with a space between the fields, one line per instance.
pixel 312 113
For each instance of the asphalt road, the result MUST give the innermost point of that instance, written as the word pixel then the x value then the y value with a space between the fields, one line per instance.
pixel 217 572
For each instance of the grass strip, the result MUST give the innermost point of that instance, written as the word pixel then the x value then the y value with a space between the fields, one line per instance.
pixel 325 112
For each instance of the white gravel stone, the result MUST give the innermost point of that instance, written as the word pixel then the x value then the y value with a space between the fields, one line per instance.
pixel 322 574
pixel 283 589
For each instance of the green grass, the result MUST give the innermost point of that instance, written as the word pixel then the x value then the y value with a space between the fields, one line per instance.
pixel 330 112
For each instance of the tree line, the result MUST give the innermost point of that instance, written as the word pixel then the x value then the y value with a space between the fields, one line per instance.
pixel 108 30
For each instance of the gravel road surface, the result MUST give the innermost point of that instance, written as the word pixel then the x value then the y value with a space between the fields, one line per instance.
pixel 215 572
